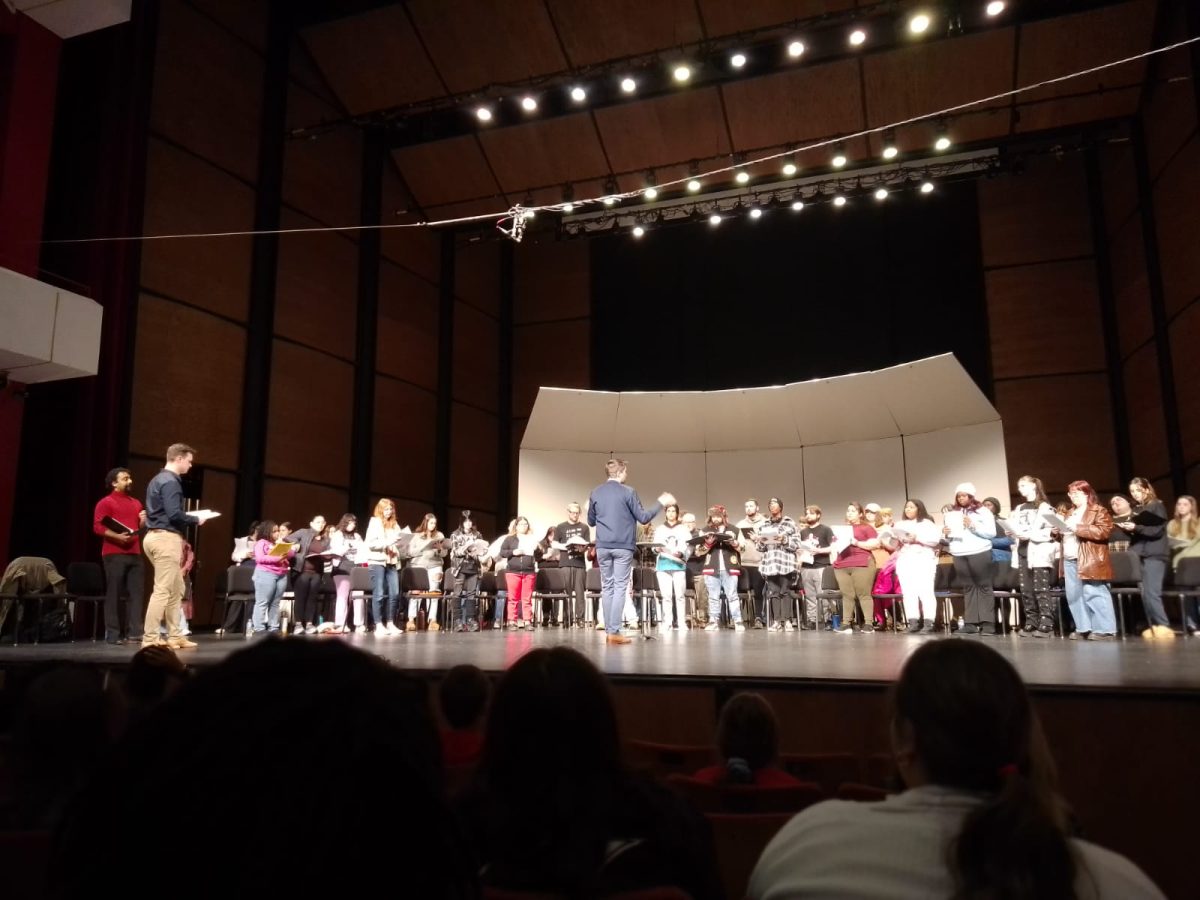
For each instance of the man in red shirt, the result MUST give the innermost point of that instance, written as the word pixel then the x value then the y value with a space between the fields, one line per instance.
pixel 119 519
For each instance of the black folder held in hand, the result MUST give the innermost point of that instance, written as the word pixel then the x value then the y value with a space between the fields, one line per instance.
pixel 116 526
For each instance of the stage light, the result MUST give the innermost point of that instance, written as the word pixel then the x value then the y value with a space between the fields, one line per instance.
pixel 578 94
pixel 919 23
pixel 742 177
pixel 568 207
pixel 890 151
pixel 609 201
pixel 995 8
pixel 797 206
pixel 756 213
pixel 839 200
pixel 693 185
pixel 795 49
pixel 528 104
pixel 650 193
pixel 881 194
pixel 858 37
pixel 737 60
pixel 839 159
pixel 483 114
pixel 714 219
pixel 789 169
pixel 943 138
pixel 927 187
pixel 529 213
pixel 682 73
pixel 638 231
pixel 628 85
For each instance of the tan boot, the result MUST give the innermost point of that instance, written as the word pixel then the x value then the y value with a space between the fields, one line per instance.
pixel 434 626
pixel 1163 633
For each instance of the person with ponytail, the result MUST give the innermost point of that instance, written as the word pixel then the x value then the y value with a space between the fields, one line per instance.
pixel 981 817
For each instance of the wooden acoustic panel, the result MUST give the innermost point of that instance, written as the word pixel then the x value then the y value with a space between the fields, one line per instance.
pixel 374 60
pixel 1185 338
pixel 668 715
pixel 556 354
pixel 551 281
pixel 1119 184
pixel 186 195
pixel 416 249
pixel 298 503
pixel 720 17
pixel 214 543
pixel 1147 428
pixel 916 80
pixel 795 106
pixel 476 357
pixel 1177 212
pixel 446 171
pixel 1059 428
pixel 407 345
pixel 660 131
pixel 477 276
pixel 308 422
pixel 473 436
pixel 322 177
pixel 187 382
pixel 601 30
pixel 490 31
pixel 551 152
pixel 1044 319
pixel 853 720
pixel 207 93
pixel 316 299
pixel 1038 216
pixel 1131 291
pixel 246 20
pixel 404 446
pixel 1170 114
pixel 1065 44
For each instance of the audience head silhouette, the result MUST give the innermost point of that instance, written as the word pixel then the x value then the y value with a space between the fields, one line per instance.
pixel 233 763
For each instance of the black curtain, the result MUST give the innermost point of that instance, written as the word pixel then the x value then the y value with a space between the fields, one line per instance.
pixel 792 296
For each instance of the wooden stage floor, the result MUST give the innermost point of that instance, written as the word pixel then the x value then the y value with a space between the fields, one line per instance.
pixel 757 656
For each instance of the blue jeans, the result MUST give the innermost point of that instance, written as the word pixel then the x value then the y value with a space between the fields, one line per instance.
pixel 384 580
pixel 1153 572
pixel 268 589
pixel 728 582
pixel 615 566
pixel 1090 602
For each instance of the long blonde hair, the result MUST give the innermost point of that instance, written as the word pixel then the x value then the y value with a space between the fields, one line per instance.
pixel 390 520
pixel 1187 529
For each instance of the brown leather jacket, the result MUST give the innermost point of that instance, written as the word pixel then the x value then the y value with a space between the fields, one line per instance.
pixel 1092 534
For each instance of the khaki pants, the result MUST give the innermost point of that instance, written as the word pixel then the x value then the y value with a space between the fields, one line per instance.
pixel 699 609
pixel 856 584
pixel 164 549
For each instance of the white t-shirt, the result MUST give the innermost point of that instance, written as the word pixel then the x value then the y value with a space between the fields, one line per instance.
pixel 896 849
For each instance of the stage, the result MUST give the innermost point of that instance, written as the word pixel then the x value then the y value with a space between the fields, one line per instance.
pixel 771 658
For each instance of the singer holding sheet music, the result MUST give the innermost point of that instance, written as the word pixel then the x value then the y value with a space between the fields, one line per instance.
pixel 165 522
pixel 118 519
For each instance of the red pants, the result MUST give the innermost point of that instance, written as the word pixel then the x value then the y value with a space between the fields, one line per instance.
pixel 520 590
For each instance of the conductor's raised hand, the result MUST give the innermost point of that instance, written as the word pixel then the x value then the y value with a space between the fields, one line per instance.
pixel 666 499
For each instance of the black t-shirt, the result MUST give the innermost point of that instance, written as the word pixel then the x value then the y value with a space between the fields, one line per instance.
pixel 824 536
pixel 563 532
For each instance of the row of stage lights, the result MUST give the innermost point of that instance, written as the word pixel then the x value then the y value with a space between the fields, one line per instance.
pixel 755 212
pixel 681 73
pixel 839 160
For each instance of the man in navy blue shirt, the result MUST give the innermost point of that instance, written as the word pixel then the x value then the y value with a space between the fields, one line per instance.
pixel 166 520
pixel 614 510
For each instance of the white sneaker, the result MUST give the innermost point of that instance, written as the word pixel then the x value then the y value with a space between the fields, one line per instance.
pixel 309 629
pixel 393 628
pixel 361 629
pixel 739 627
pixel 789 625
pixel 712 626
